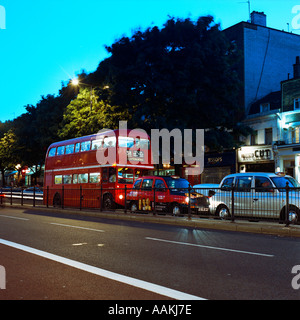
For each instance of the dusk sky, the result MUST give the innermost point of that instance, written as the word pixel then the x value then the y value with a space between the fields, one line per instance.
pixel 47 42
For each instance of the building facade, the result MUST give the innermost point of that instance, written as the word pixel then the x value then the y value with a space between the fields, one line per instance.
pixel 267 57
pixel 288 148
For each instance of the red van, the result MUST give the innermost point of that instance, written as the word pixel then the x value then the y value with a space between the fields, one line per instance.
pixel 171 195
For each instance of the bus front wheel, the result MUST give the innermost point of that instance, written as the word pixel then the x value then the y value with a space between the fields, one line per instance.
pixel 108 202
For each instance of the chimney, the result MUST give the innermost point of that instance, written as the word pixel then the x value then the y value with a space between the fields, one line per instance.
pixel 297 68
pixel 259 18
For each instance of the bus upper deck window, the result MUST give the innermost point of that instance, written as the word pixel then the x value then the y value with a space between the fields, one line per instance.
pixel 144 144
pixel 109 142
pixel 96 144
pixel 77 147
pixel 85 146
pixel 69 148
pixel 52 152
pixel 61 150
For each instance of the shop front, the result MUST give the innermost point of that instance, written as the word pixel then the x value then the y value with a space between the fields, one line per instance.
pixel 288 160
pixel 217 166
pixel 256 159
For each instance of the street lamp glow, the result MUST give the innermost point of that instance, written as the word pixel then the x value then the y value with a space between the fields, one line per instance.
pixel 75 82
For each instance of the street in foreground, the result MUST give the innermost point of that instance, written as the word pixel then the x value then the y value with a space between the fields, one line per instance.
pixel 47 256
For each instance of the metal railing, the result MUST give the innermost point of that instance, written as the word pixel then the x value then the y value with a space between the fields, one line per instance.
pixel 273 204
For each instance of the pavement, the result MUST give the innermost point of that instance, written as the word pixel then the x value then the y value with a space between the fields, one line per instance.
pixel 258 227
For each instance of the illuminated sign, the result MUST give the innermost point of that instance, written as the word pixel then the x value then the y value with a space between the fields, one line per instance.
pixel 255 154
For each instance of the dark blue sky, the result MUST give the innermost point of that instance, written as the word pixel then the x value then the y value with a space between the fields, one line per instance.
pixel 46 42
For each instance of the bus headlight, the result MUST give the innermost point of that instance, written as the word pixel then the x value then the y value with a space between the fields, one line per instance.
pixel 121 196
pixel 187 199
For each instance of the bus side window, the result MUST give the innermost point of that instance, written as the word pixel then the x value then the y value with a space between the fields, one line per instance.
pixel 112 175
pixel 83 178
pixel 69 148
pixel 77 147
pixel 105 174
pixel 85 146
pixel 58 179
pixel 95 177
pixel 109 142
pixel 96 144
pixel 75 178
pixel 67 179
pixel 52 152
pixel 61 150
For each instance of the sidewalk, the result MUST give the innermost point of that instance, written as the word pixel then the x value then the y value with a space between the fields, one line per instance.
pixel 261 227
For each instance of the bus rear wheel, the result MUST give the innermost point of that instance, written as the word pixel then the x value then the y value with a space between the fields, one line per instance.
pixel 57 200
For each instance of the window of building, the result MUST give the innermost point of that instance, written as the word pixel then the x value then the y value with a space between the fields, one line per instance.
pixel 265 107
pixel 268 136
pixel 297 104
pixel 254 138
pixel 294 133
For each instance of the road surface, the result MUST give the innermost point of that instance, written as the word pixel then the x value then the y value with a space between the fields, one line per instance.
pixel 51 256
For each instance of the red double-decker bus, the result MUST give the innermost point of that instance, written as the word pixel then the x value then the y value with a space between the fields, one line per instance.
pixel 75 177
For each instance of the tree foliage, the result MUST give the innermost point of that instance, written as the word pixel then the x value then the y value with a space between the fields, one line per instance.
pixel 8 152
pixel 181 76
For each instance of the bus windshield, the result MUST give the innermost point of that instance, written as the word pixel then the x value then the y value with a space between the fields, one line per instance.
pixel 125 175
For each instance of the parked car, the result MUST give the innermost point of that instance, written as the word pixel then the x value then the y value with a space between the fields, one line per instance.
pixel 172 194
pixel 207 189
pixel 2 196
pixel 33 189
pixel 257 195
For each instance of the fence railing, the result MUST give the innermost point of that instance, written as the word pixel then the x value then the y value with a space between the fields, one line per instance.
pixel 276 204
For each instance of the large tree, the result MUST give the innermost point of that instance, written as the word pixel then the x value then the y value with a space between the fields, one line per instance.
pixel 180 76
pixel 8 153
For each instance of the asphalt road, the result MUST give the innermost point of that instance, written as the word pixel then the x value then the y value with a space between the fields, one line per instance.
pixel 158 261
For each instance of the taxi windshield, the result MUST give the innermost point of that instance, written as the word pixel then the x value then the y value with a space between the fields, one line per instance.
pixel 282 182
pixel 177 183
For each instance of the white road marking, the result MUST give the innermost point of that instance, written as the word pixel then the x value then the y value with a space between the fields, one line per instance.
pixel 79 244
pixel 66 225
pixel 106 274
pixel 12 217
pixel 209 247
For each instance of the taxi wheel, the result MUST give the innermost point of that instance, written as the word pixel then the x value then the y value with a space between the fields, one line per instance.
pixel 176 209
pixel 293 215
pixel 222 212
pixel 133 207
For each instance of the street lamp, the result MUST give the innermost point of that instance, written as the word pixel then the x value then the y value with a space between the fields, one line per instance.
pixel 76 82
